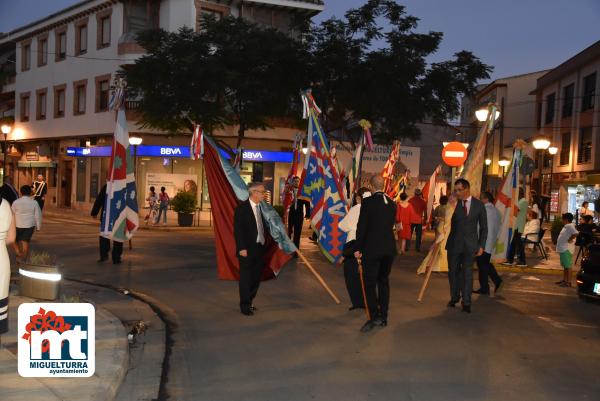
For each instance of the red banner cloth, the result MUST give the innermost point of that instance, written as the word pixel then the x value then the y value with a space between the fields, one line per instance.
pixel 223 204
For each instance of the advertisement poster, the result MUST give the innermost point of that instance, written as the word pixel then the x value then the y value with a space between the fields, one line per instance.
pixel 554 201
pixel 173 183
pixel 373 161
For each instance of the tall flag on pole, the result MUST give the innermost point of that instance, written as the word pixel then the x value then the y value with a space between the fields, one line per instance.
pixel 506 203
pixel 120 218
pixel 388 170
pixel 429 191
pixel 473 167
pixel 288 192
pixel 227 190
pixel 320 186
pixel 365 141
pixel 400 186
pixel 197 145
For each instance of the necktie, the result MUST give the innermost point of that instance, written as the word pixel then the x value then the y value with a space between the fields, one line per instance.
pixel 259 226
pixel 465 208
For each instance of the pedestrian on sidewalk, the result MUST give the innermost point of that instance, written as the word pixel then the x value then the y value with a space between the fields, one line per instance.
pixel 466 241
pixel 516 245
pixel 104 243
pixel 152 200
pixel 417 218
pixel 351 274
pixel 404 212
pixel 39 191
pixel 8 191
pixel 7 237
pixel 565 246
pixel 250 229
pixel 299 210
pixel 163 205
pixel 485 267
pixel 28 218
pixel 375 249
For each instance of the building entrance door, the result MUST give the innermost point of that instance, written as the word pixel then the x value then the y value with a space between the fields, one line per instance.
pixel 66 184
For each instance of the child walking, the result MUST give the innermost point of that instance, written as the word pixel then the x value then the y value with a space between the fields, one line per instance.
pixel 565 246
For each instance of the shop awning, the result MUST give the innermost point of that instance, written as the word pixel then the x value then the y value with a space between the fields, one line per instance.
pixel 37 164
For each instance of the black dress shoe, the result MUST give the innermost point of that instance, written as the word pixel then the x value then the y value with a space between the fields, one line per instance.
pixel 380 322
pixel 466 308
pixel 117 262
pixel 451 304
pixel 247 312
pixel 481 292
pixel 370 325
pixel 356 307
pixel 253 308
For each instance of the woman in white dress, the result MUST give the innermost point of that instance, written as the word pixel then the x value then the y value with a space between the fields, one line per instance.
pixel 7 236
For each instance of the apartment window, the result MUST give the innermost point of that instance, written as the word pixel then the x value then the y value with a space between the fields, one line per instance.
pixel 79 89
pixel 565 148
pixel 41 100
pixel 59 100
pixel 24 107
pixel 61 44
pixel 584 151
pixel 42 51
pixel 25 56
pixel 81 39
pixel 103 28
pixel 216 11
pixel 568 93
pixel 589 92
pixel 140 15
pixel 102 92
pixel 550 99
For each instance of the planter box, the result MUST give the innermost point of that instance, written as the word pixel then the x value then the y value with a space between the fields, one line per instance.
pixel 185 219
pixel 39 281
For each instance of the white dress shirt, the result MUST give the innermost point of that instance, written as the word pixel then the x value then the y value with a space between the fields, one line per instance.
pixel 532 227
pixel 27 213
pixel 259 222
pixel 350 221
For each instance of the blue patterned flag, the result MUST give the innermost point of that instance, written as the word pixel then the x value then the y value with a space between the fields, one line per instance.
pixel 320 186
pixel 120 217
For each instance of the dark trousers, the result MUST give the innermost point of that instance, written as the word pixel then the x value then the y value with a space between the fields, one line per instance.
pixel 40 202
pixel 418 230
pixel 295 224
pixel 353 285
pixel 516 247
pixel 487 270
pixel 117 249
pixel 460 276
pixel 250 272
pixel 377 284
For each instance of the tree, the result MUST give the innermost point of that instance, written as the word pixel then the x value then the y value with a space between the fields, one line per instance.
pixel 231 72
pixel 361 67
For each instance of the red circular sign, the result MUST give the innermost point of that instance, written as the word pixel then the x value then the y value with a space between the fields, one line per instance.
pixel 454 154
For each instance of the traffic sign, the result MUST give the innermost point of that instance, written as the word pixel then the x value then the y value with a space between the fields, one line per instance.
pixel 454 154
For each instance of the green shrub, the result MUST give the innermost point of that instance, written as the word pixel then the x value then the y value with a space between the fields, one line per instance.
pixel 557 225
pixel 184 202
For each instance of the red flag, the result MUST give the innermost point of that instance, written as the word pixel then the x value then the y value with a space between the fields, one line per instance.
pixel 224 202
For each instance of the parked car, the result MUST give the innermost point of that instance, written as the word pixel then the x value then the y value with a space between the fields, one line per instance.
pixel 588 278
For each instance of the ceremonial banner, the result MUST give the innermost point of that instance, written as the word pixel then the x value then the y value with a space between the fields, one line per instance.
pixel 473 167
pixel 120 218
pixel 429 191
pixel 506 203
pixel 320 186
pixel 390 187
pixel 227 190
pixel 288 196
pixel 196 147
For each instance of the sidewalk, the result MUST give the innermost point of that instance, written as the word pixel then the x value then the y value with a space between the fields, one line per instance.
pixel 111 365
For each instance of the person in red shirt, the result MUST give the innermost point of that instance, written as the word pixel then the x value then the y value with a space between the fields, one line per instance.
pixel 404 211
pixel 417 218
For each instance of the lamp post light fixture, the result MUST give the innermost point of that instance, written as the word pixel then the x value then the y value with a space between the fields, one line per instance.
pixel 503 162
pixel 482 114
pixel 552 150
pixel 135 141
pixel 488 161
pixel 6 128
pixel 541 143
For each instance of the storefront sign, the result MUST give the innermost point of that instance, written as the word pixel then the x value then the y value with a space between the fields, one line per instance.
pixel 554 201
pixel 180 151
pixel 32 156
pixel 173 183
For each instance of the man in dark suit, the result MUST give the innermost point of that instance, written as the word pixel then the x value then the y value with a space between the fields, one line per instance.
pixel 40 189
pixel 117 247
pixel 250 232
pixel 376 247
pixel 299 210
pixel 468 234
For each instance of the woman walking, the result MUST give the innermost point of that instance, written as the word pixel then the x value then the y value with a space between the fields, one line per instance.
pixel 351 273
pixel 7 236
pixel 152 200
pixel 163 206
pixel 403 213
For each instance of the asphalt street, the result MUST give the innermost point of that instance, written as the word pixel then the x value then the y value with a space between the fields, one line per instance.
pixel 535 342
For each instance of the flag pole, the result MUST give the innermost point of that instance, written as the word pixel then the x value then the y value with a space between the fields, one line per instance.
pixel 428 270
pixel 319 278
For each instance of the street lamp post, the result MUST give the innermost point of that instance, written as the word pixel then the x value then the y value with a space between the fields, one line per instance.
pixel 552 150
pixel 6 128
pixel 503 162
pixel 135 141
pixel 488 161
pixel 541 143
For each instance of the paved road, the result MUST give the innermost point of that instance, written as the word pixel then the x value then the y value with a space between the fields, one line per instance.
pixel 537 342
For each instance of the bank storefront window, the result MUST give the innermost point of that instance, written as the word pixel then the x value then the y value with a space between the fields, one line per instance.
pixel 582 193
